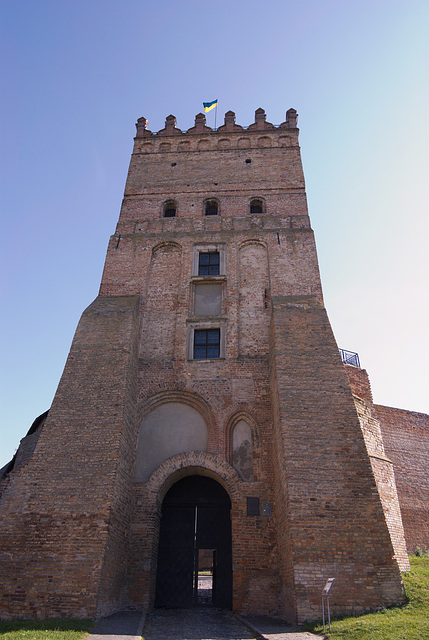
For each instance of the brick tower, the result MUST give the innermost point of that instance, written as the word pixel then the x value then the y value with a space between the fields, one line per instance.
pixel 204 416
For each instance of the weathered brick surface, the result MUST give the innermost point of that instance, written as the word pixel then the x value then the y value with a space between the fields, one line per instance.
pixel 79 532
pixel 406 439
pixel 334 514
pixel 70 503
pixel 398 445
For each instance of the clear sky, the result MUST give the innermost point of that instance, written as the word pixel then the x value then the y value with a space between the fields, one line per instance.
pixel 77 74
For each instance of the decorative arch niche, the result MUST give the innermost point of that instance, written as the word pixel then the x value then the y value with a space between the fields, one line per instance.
pixel 254 314
pixel 242 450
pixel 167 430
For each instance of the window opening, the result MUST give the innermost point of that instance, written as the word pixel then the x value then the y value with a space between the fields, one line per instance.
pixel 206 344
pixel 170 209
pixel 208 264
pixel 256 206
pixel 211 208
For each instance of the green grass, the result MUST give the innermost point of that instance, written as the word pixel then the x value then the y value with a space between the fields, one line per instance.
pixel 51 629
pixel 407 622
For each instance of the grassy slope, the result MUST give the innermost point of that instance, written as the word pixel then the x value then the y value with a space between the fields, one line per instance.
pixel 61 629
pixel 408 622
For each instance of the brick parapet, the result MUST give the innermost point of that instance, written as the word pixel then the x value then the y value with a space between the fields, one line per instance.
pixel 360 384
pixel 232 165
pixel 229 126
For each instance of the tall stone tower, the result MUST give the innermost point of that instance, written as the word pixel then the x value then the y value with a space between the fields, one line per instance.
pixel 204 414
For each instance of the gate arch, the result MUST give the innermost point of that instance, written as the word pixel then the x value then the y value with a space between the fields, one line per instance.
pixel 191 463
pixel 171 471
pixel 195 534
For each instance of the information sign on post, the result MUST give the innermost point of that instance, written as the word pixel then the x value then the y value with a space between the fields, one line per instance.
pixel 325 594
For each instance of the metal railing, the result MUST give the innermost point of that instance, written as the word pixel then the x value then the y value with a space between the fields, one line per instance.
pixel 350 357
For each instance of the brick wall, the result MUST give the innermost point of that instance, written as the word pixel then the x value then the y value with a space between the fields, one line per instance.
pixel 64 514
pixel 334 514
pixel 406 440
pixel 382 466
pixel 78 513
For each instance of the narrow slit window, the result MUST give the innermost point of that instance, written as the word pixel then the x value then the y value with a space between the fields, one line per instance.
pixel 211 208
pixel 206 344
pixel 256 206
pixel 208 264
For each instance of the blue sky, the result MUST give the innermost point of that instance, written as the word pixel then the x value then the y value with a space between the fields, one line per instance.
pixel 77 75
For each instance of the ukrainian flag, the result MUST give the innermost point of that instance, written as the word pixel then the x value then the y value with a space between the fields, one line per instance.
pixel 208 106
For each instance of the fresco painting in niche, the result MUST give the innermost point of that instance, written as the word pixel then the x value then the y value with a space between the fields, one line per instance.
pixel 242 450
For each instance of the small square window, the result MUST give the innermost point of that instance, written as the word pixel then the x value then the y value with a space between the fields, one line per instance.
pixel 256 206
pixel 206 344
pixel 170 209
pixel 208 264
pixel 211 208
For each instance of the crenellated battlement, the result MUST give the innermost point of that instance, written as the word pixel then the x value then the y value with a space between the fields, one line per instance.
pixel 285 134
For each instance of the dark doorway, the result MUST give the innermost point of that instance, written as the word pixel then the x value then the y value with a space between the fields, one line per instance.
pixel 194 557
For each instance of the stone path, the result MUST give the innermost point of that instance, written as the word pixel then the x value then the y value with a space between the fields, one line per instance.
pixel 215 624
pixel 125 625
pixel 193 624
pixel 272 629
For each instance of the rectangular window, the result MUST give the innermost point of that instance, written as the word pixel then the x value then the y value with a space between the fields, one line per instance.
pixel 208 264
pixel 206 344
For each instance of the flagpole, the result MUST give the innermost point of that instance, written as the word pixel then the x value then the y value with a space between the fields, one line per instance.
pixel 215 115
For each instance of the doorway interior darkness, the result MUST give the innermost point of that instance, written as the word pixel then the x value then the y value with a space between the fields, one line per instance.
pixel 195 532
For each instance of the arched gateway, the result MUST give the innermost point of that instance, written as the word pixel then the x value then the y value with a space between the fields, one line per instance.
pixel 194 554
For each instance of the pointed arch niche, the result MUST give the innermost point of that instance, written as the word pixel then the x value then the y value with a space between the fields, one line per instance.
pixel 159 319
pixel 241 446
pixel 254 312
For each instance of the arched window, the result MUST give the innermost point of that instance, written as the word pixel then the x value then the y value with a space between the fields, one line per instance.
pixel 211 208
pixel 256 206
pixel 170 208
